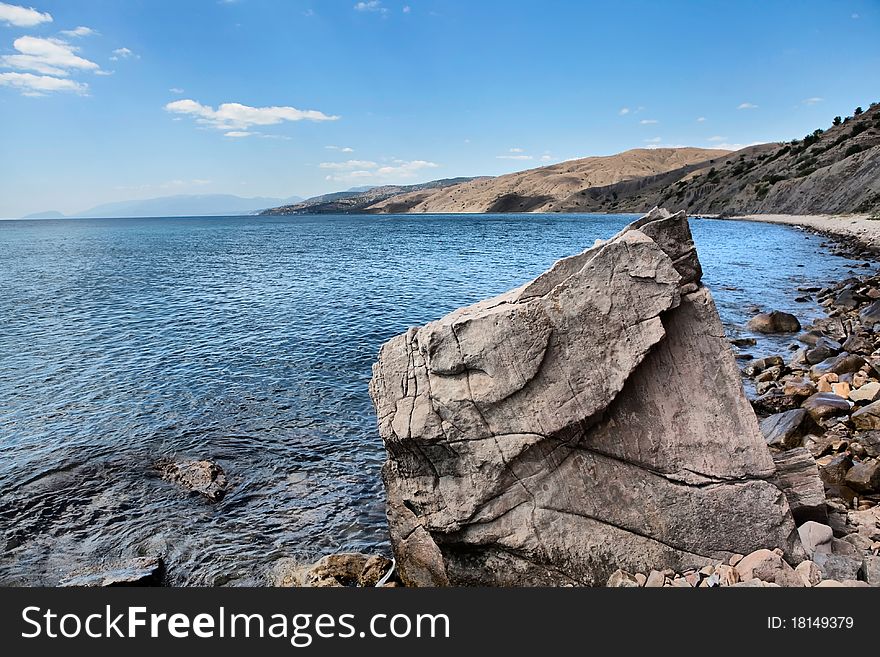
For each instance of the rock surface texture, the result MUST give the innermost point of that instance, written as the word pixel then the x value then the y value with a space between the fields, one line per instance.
pixel 590 420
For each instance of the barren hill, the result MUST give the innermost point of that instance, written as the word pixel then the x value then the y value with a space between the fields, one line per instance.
pixel 543 189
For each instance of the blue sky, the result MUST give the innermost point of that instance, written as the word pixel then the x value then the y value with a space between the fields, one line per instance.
pixel 300 97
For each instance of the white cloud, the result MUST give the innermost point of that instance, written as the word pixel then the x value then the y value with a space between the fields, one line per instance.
pixel 407 9
pixel 39 85
pixel 547 158
pixel 746 106
pixel 716 138
pixel 349 165
pixel 701 119
pixel 513 157
pixel 734 147
pixel 123 53
pixel 176 90
pixel 238 133
pixel 649 121
pixel 371 5
pixel 624 111
pixel 235 117
pixel 47 56
pixel 654 140
pixel 516 150
pixel 341 149
pixel 813 100
pixel 22 16
pixel 397 170
pixel 80 31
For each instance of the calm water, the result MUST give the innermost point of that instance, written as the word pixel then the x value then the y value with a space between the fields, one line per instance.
pixel 249 340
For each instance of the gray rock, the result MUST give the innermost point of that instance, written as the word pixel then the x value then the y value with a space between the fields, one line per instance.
pixel 838 566
pixel 834 471
pixel 841 364
pixel 816 537
pixel 345 569
pixel 825 348
pixel 774 322
pixel 870 314
pixel 864 477
pixel 867 417
pixel 856 344
pixel 785 430
pixel 825 404
pixel 870 570
pixel 797 475
pixel 590 420
pixel 870 441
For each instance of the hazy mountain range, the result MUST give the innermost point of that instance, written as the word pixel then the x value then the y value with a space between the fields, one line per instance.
pixel 183 205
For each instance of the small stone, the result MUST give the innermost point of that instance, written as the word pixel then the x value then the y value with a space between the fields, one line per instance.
pixel 621 579
pixel 735 559
pixel 864 477
pixel 859 379
pixel 800 387
pixel 809 572
pixel 203 477
pixel 693 579
pixel 833 469
pixel 141 571
pixel 841 389
pixel 867 392
pixel 707 571
pixel 727 575
pixel 681 582
pixel 860 543
pixel 815 538
pixel 743 342
pixel 829 584
pixel 870 441
pixel 641 580
pixel 867 417
pixel 784 430
pixel 655 580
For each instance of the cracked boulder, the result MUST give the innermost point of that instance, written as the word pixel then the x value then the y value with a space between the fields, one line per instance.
pixel 590 420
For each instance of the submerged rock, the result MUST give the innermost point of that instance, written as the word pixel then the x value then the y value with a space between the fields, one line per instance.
pixel 590 420
pixel 203 477
pixel 142 571
pixel 333 570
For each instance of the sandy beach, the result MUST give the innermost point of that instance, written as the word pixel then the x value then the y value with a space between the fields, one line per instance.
pixel 851 226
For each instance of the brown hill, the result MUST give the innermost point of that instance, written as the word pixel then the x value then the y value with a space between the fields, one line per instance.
pixel 545 188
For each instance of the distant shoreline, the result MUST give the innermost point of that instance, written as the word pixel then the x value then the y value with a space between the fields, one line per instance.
pixel 857 228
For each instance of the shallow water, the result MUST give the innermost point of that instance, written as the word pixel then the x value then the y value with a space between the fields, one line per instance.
pixel 249 340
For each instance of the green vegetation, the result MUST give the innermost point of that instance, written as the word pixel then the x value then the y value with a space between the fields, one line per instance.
pixel 837 120
pixel 852 150
pixel 857 111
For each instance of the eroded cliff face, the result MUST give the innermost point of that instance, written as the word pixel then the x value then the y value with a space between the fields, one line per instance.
pixel 589 420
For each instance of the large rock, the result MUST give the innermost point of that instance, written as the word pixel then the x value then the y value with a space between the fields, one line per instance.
pixel 797 475
pixel 774 322
pixel 825 404
pixel 590 420
pixel 140 571
pixel 203 477
pixel 768 566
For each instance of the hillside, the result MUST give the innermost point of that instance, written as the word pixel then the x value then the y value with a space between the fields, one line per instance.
pixel 354 201
pixel 545 188
pixel 832 171
pixel 183 205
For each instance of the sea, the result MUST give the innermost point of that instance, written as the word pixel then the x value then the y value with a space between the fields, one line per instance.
pixel 249 341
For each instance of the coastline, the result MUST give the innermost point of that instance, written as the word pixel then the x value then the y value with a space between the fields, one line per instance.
pixel 853 229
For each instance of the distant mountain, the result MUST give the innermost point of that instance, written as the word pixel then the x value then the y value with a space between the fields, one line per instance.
pixel 51 214
pixel 354 200
pixel 186 205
